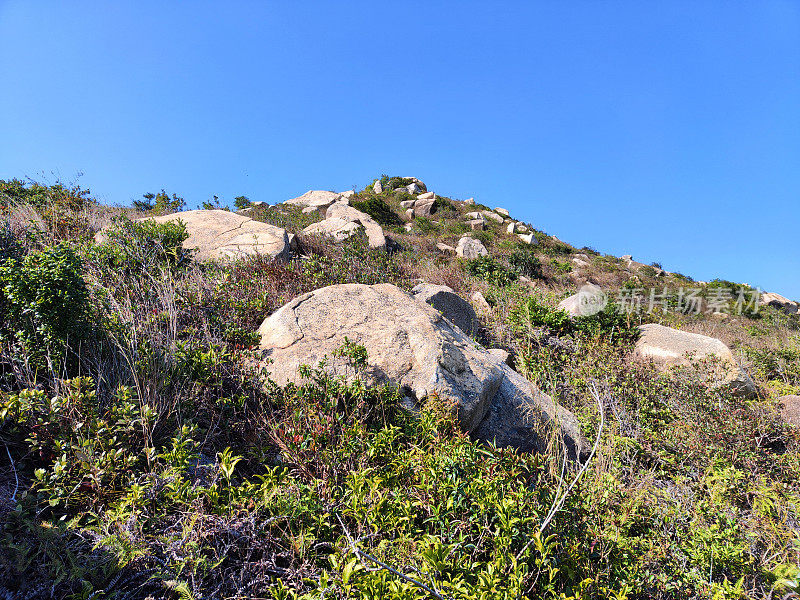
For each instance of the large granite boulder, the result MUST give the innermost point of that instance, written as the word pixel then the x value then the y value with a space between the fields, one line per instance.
pixel 316 199
pixel 221 234
pixel 668 347
pixel 342 221
pixel 458 311
pixel 470 248
pixel 412 346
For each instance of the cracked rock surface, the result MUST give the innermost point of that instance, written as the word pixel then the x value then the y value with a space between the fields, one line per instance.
pixel 413 346
pixel 223 234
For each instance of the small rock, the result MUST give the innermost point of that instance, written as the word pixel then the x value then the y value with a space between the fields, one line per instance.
pixel 410 214
pixel 377 188
pixel 521 228
pixel 502 211
pixel 477 224
pixel 512 228
pixel 412 188
pixel 528 238
pixel 470 201
pixel 408 203
pixel 472 216
pixel 470 248
pixel 445 248
pixel 480 303
pixel 427 196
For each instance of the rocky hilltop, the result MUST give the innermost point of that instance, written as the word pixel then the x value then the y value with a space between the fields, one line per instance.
pixel 384 392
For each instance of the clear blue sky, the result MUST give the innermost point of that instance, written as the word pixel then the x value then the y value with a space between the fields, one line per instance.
pixel 666 130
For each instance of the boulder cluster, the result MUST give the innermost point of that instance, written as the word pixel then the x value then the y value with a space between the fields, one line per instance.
pixel 422 342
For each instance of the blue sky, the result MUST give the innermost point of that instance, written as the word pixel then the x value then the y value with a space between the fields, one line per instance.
pixel 669 131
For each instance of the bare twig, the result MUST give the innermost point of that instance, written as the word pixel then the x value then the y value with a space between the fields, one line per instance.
pixel 16 477
pixel 559 502
pixel 361 554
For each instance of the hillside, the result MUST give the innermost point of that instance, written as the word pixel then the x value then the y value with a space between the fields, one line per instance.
pixel 381 393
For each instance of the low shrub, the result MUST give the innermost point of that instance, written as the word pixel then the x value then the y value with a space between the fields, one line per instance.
pixel 378 209
pixel 491 270
pixel 44 307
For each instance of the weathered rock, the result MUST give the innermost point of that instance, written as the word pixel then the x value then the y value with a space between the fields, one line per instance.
pixel 480 303
pixel 470 248
pixel 528 238
pixel 223 234
pixel 492 216
pixel 450 304
pixel 790 409
pixel 502 211
pixel 668 347
pixel 521 416
pixel 521 228
pixel 477 224
pixel 445 248
pixel 412 188
pixel 424 208
pixel 470 201
pixel 474 216
pixel 512 228
pixel 315 198
pixel 778 301
pixel 408 203
pixel 589 300
pixel 427 196
pixel 377 187
pixel 342 221
pixel 410 345
pixel 500 354
pixel 410 214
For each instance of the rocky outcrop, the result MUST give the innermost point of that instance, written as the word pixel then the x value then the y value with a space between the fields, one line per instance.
pixel 220 234
pixel 315 199
pixel 342 221
pixel 668 347
pixel 778 301
pixel 377 187
pixel 470 248
pixel 412 346
pixel 457 310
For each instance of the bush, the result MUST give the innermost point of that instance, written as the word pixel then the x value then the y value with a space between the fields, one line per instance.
pixel 488 269
pixel 610 323
pixel 145 246
pixel 378 209
pixel 44 303
pixel 523 261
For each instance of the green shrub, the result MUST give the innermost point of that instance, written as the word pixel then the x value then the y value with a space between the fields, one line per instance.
pixel 523 261
pixel 44 303
pixel 609 323
pixel 145 246
pixel 489 269
pixel 378 209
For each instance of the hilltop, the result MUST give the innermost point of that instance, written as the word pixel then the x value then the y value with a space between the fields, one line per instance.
pixel 380 393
